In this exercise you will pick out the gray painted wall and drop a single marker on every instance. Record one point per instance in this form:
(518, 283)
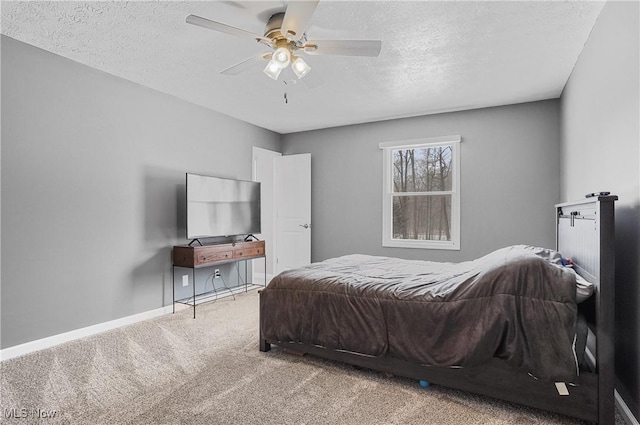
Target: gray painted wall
(601, 151)
(93, 190)
(510, 180)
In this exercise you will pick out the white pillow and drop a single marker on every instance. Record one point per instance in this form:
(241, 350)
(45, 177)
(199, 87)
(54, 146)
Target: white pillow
(584, 288)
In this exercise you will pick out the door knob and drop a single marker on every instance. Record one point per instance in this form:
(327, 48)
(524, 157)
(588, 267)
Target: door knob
(306, 226)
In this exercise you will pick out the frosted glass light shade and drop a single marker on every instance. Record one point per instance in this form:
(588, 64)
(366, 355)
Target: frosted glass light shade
(272, 69)
(281, 57)
(300, 67)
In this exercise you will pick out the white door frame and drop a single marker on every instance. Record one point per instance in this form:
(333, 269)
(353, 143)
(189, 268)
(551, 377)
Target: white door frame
(265, 159)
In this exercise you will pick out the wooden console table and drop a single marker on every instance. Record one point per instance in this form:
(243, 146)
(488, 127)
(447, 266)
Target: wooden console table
(195, 257)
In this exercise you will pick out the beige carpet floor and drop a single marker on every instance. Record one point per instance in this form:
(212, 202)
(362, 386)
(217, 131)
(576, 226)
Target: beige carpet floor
(177, 370)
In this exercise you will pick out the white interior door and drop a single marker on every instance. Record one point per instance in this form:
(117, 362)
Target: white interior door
(293, 209)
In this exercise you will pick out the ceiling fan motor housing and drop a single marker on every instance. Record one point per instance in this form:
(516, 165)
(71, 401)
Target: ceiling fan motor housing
(273, 30)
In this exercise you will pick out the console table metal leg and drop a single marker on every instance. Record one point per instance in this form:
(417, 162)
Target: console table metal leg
(173, 288)
(193, 283)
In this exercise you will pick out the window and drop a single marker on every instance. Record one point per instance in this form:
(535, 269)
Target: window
(421, 193)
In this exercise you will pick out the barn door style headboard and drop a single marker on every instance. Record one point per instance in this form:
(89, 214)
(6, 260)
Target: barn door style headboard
(585, 233)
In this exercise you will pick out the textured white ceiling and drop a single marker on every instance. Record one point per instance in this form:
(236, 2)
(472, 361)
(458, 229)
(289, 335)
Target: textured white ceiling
(436, 56)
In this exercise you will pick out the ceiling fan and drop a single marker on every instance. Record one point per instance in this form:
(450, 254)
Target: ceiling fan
(285, 34)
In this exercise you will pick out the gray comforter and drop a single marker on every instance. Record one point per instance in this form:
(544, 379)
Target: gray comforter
(516, 304)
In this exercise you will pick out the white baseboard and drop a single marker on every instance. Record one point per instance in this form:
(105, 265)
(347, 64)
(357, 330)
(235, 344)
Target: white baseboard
(258, 278)
(51, 341)
(627, 415)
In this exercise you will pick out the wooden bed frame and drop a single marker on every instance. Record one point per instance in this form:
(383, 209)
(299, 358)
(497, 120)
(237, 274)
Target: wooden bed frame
(585, 233)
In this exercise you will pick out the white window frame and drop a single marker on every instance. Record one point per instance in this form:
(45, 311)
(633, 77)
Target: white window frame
(387, 192)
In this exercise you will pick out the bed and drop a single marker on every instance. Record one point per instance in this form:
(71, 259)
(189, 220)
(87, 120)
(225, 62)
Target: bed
(506, 325)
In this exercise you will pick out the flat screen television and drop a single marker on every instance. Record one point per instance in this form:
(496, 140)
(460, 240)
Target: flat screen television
(221, 207)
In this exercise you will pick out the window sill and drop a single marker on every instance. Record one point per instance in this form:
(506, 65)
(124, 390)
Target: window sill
(398, 243)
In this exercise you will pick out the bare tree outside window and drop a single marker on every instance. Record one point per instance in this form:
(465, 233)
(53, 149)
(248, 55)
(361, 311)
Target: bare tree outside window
(420, 210)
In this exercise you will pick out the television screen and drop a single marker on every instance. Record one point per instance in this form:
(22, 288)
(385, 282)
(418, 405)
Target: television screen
(221, 207)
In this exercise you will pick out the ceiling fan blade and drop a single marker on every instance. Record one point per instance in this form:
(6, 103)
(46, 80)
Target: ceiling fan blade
(312, 80)
(245, 64)
(234, 4)
(296, 18)
(220, 27)
(369, 48)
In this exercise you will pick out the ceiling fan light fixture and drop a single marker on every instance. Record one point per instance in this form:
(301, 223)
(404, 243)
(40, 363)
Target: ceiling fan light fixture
(272, 69)
(300, 67)
(281, 57)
